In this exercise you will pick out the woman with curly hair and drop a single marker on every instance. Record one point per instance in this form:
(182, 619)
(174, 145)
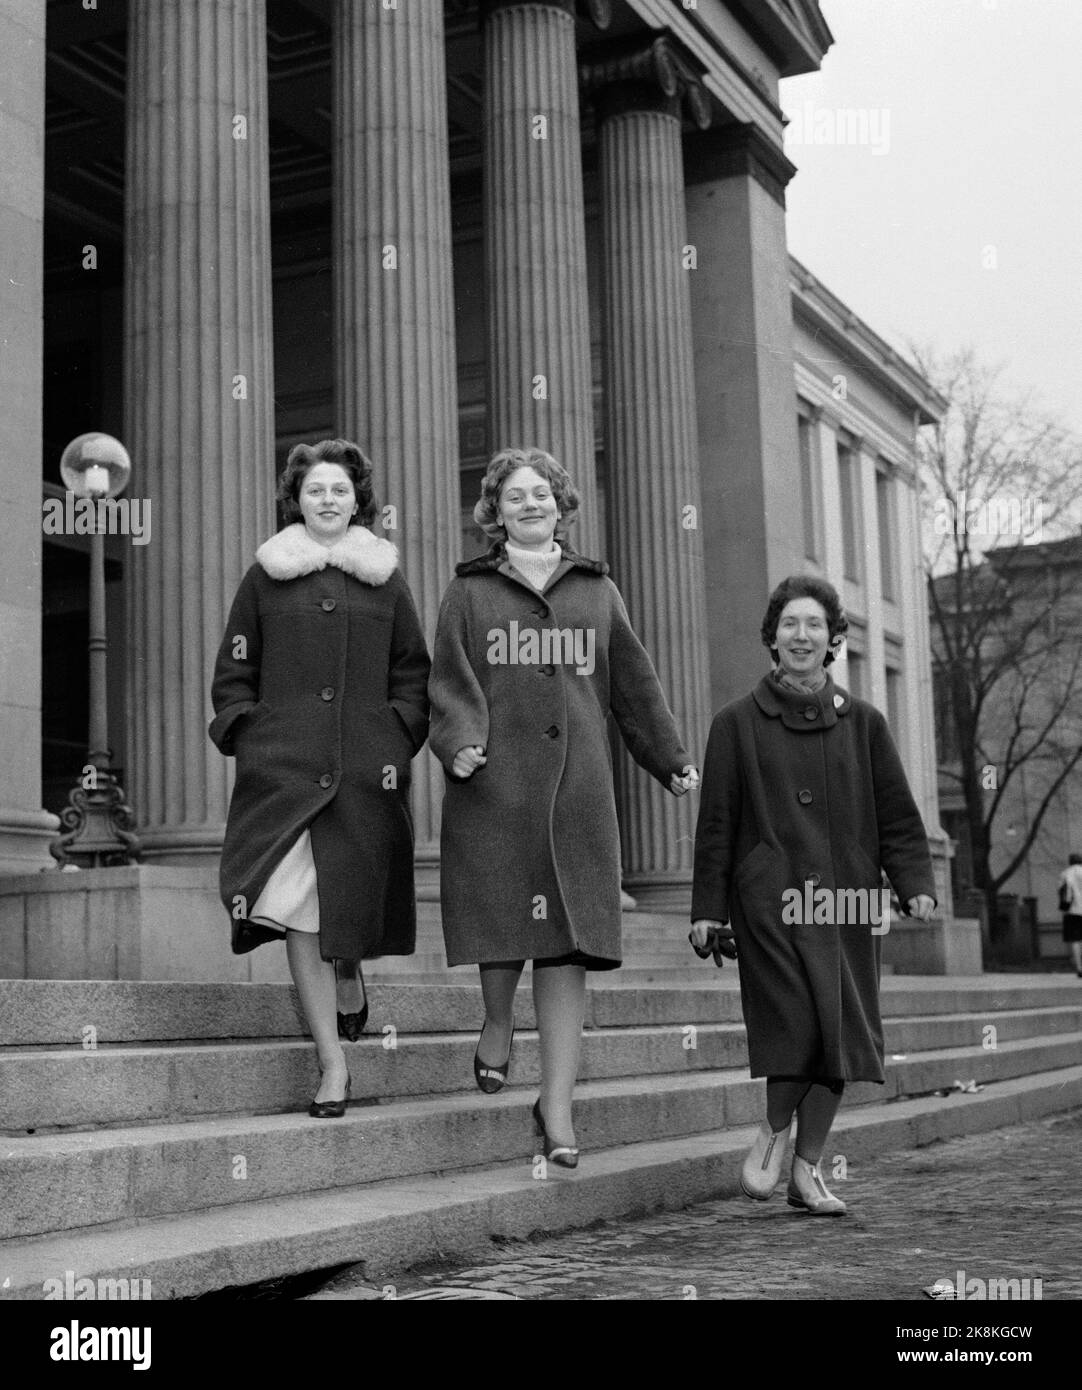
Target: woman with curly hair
(320, 694)
(533, 650)
(804, 805)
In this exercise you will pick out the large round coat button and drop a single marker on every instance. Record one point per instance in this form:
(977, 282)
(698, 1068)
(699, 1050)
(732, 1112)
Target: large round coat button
(327, 693)
(552, 731)
(546, 670)
(328, 605)
(814, 880)
(804, 797)
(326, 780)
(811, 712)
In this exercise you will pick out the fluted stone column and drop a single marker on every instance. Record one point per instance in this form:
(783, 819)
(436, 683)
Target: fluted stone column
(742, 326)
(25, 829)
(538, 329)
(655, 518)
(198, 386)
(394, 347)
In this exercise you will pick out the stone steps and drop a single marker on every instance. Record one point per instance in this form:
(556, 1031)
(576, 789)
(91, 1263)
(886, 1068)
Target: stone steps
(389, 1225)
(64, 1180)
(165, 1112)
(56, 1012)
(48, 1088)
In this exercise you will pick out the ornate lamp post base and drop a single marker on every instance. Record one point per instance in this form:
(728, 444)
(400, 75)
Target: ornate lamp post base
(98, 827)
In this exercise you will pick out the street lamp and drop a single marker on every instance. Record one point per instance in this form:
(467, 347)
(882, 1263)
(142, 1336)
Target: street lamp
(98, 823)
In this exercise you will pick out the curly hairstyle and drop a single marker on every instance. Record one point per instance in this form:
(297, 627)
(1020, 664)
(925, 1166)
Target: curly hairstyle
(804, 586)
(501, 466)
(304, 457)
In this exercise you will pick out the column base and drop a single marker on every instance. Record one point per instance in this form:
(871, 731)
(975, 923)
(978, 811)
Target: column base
(196, 847)
(669, 892)
(25, 837)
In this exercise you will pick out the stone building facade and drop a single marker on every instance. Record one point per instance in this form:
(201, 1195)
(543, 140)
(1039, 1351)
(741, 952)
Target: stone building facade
(440, 229)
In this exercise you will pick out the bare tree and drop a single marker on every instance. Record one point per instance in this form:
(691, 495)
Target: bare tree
(1001, 487)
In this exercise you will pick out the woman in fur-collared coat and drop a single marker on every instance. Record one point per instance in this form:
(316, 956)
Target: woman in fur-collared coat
(804, 804)
(533, 651)
(320, 694)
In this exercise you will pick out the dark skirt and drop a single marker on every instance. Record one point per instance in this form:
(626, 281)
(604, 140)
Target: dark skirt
(1072, 926)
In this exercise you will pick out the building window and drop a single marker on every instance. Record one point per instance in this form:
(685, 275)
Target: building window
(856, 675)
(895, 711)
(809, 489)
(849, 485)
(884, 505)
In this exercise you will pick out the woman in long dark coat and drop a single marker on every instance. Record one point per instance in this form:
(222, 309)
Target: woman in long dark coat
(533, 650)
(320, 693)
(804, 804)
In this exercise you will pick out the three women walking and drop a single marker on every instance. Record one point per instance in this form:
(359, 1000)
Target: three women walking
(322, 690)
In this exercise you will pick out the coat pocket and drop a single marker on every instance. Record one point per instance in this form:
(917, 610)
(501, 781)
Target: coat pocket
(754, 863)
(403, 739)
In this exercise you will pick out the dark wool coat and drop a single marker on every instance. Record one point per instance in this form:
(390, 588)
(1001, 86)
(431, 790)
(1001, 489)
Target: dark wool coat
(803, 788)
(530, 850)
(319, 692)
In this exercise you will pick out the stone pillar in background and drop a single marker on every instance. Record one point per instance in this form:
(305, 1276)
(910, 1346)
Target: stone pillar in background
(653, 505)
(394, 344)
(538, 329)
(25, 829)
(198, 387)
(746, 398)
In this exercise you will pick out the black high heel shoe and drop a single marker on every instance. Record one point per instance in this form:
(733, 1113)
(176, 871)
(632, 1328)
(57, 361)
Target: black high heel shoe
(563, 1154)
(492, 1079)
(351, 1026)
(331, 1109)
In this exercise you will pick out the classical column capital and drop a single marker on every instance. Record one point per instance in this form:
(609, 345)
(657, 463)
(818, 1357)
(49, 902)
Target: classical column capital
(741, 148)
(598, 12)
(657, 75)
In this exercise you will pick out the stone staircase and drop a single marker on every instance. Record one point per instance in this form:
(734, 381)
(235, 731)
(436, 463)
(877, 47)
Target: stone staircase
(157, 1130)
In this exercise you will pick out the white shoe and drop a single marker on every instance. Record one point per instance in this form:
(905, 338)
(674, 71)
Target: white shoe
(762, 1167)
(808, 1190)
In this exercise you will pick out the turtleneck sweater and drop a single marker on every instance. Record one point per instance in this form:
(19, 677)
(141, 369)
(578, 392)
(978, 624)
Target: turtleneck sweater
(536, 566)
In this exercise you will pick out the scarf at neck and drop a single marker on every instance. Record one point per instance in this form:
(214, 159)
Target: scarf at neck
(810, 684)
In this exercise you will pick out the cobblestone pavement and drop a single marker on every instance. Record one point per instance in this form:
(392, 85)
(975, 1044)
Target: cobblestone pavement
(1002, 1205)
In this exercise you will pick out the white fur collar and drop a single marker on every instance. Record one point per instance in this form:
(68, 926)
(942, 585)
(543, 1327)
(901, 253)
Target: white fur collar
(292, 552)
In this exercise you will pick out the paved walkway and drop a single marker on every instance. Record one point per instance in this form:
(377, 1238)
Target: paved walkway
(1001, 1205)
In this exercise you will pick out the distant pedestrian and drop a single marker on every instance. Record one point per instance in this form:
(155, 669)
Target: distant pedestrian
(804, 800)
(1070, 902)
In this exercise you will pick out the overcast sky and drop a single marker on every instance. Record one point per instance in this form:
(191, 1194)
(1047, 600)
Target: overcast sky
(951, 209)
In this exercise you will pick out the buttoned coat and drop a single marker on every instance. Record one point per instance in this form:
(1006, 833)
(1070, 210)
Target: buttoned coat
(530, 849)
(798, 789)
(319, 692)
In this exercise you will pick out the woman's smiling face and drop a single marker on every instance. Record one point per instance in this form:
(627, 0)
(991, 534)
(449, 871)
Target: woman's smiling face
(527, 509)
(803, 637)
(327, 501)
